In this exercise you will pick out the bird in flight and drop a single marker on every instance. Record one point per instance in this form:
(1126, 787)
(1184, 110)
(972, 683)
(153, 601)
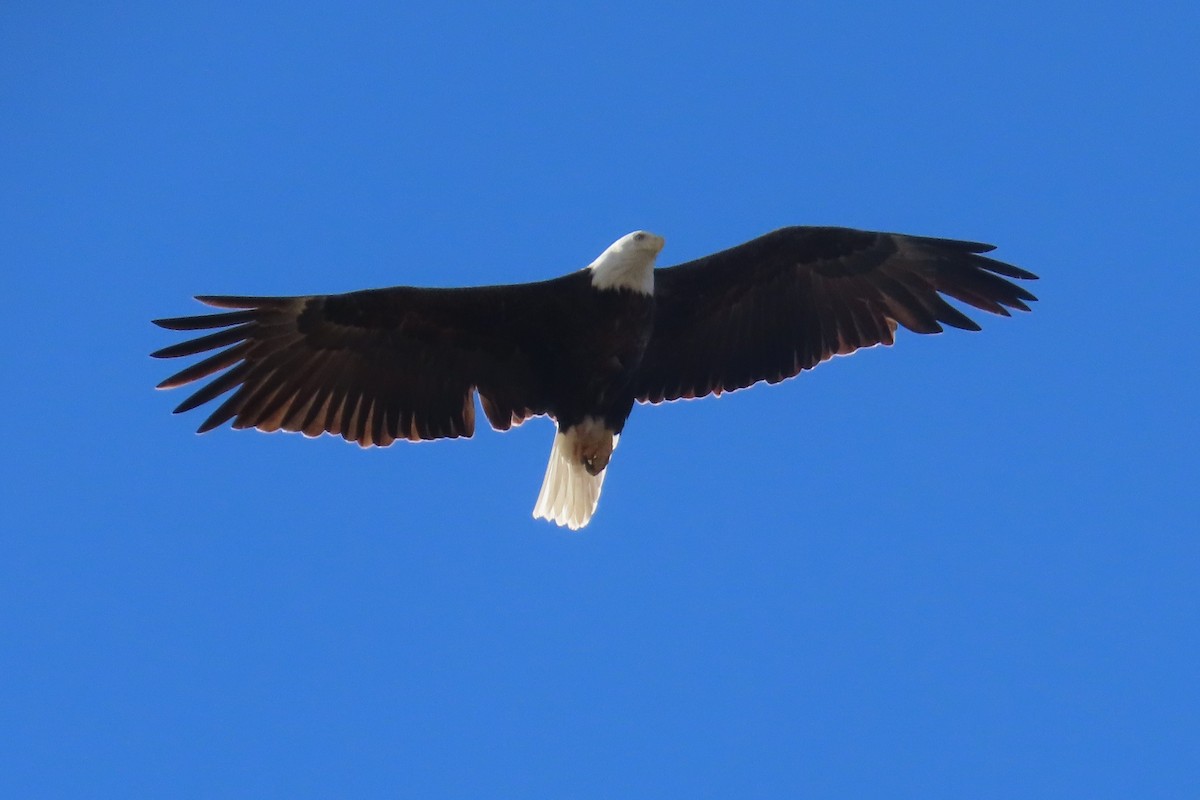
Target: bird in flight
(381, 365)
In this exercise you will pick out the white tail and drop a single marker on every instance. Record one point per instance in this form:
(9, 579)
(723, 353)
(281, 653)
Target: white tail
(569, 493)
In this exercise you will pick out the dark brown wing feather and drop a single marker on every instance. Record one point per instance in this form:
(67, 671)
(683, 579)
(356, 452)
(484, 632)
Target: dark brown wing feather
(787, 301)
(373, 366)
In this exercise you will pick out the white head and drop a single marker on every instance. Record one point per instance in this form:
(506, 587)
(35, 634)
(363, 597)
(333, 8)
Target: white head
(628, 263)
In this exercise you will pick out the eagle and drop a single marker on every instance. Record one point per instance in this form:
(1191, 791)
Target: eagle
(381, 365)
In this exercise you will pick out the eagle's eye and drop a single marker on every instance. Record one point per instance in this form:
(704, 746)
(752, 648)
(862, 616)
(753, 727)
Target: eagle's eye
(637, 237)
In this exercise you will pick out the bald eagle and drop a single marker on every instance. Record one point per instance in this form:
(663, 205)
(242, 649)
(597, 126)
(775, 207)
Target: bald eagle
(381, 365)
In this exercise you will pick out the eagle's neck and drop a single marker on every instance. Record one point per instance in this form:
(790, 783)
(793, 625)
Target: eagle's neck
(623, 266)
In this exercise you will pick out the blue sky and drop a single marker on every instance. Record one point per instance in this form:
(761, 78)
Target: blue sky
(964, 566)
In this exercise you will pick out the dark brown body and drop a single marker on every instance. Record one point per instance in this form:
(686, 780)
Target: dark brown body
(592, 369)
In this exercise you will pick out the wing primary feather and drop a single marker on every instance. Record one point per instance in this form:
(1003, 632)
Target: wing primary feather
(952, 316)
(202, 369)
(202, 321)
(941, 311)
(950, 244)
(1002, 268)
(208, 342)
(225, 412)
(973, 298)
(231, 301)
(904, 307)
(217, 387)
(991, 288)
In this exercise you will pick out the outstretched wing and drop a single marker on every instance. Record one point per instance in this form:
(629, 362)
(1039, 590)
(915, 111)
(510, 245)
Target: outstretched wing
(786, 301)
(371, 366)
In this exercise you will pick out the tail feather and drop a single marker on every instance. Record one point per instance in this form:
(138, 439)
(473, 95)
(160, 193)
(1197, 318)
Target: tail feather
(569, 493)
